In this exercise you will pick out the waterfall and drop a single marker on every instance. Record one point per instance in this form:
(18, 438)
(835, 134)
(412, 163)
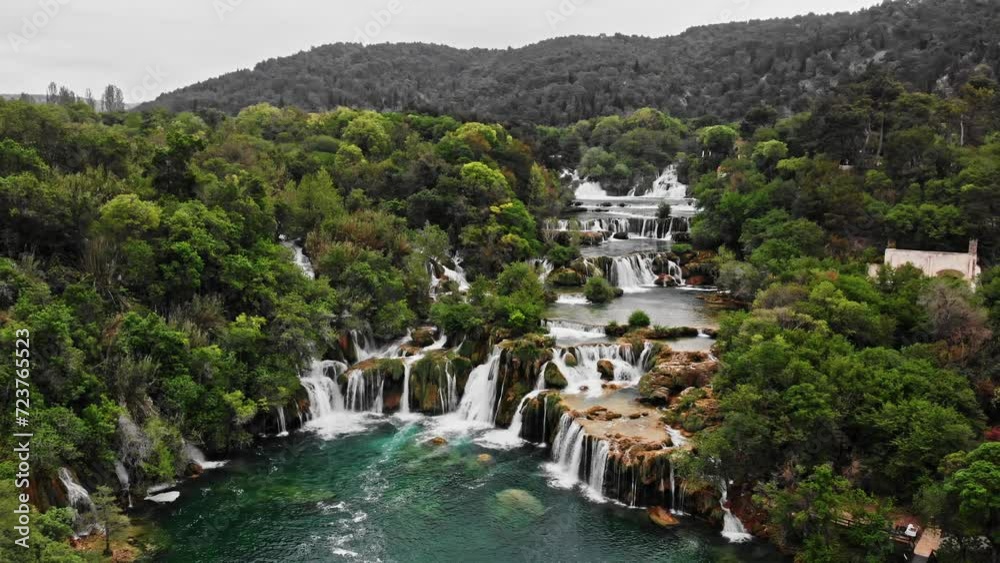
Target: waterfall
(569, 461)
(478, 403)
(673, 490)
(364, 347)
(544, 268)
(668, 186)
(574, 332)
(404, 401)
(518, 422)
(300, 259)
(448, 393)
(79, 500)
(194, 454)
(324, 393)
(458, 274)
(732, 529)
(572, 299)
(123, 480)
(587, 189)
(633, 274)
(364, 395)
(598, 468)
(628, 368)
(282, 427)
(567, 453)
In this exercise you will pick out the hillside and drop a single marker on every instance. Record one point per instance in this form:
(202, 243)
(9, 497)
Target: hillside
(720, 70)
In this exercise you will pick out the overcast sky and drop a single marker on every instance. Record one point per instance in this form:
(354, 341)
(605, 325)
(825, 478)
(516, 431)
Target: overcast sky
(150, 46)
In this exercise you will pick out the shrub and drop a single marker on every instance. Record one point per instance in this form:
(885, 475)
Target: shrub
(681, 248)
(638, 319)
(614, 329)
(561, 256)
(598, 290)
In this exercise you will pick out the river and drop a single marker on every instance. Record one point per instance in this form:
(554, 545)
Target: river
(360, 486)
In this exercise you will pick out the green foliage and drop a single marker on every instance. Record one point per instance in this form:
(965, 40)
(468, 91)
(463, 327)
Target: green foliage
(598, 290)
(638, 319)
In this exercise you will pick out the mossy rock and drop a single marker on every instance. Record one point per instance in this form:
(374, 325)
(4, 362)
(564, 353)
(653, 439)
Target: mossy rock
(554, 379)
(606, 369)
(429, 376)
(570, 360)
(390, 368)
(422, 337)
(565, 277)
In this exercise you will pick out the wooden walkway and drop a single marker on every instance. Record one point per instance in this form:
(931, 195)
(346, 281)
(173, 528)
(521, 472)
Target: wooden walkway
(930, 540)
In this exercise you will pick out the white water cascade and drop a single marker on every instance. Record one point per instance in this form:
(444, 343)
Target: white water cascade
(123, 480)
(300, 258)
(668, 185)
(458, 274)
(324, 394)
(732, 528)
(448, 393)
(194, 454)
(79, 500)
(567, 453)
(628, 367)
(478, 404)
(598, 468)
(569, 449)
(364, 345)
(282, 426)
(571, 332)
(633, 274)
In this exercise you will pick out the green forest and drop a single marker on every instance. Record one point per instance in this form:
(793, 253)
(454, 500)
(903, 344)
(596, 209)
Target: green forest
(143, 251)
(722, 70)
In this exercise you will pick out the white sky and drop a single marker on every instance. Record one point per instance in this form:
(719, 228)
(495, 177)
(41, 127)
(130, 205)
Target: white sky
(150, 46)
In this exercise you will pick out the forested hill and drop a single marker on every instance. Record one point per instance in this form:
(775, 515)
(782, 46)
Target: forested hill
(718, 69)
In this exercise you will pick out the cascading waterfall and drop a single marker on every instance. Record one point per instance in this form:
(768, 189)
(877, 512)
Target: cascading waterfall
(633, 274)
(668, 185)
(458, 274)
(598, 466)
(571, 465)
(518, 421)
(123, 480)
(301, 260)
(570, 331)
(448, 393)
(364, 346)
(478, 404)
(567, 453)
(732, 529)
(282, 426)
(195, 455)
(628, 368)
(79, 500)
(324, 394)
(365, 394)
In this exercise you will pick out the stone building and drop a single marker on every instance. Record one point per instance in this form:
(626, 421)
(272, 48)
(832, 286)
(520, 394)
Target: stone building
(963, 265)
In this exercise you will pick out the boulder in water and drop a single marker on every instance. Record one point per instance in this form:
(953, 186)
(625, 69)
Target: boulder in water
(520, 501)
(554, 379)
(606, 369)
(485, 459)
(437, 441)
(661, 516)
(666, 280)
(621, 235)
(570, 360)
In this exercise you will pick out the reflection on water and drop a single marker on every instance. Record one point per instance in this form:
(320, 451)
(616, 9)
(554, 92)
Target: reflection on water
(665, 306)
